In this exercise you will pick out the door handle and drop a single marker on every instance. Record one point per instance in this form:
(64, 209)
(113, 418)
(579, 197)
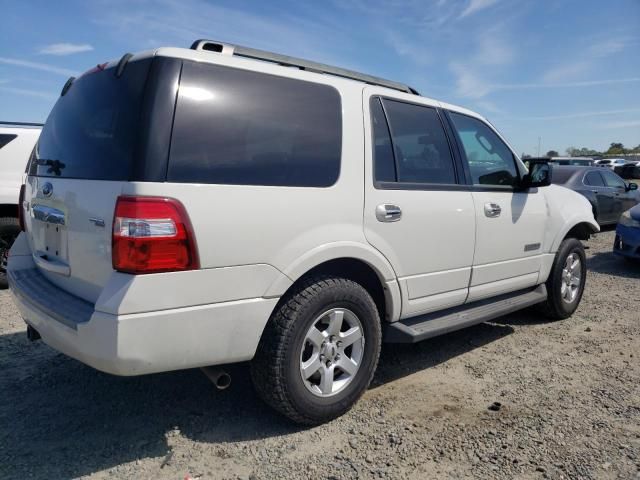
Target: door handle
(492, 210)
(388, 213)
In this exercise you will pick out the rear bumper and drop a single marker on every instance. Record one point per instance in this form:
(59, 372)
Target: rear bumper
(138, 343)
(627, 242)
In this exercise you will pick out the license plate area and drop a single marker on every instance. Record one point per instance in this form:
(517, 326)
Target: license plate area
(49, 233)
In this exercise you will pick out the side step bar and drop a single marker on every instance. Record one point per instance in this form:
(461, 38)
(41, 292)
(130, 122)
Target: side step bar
(416, 329)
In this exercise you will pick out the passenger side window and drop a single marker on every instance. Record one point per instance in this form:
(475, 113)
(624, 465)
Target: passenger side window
(594, 179)
(612, 180)
(419, 145)
(490, 160)
(5, 139)
(384, 168)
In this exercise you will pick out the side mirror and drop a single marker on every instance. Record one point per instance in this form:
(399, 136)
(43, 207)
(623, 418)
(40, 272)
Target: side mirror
(632, 186)
(539, 175)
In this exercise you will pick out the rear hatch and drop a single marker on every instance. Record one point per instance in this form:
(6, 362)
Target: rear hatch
(87, 152)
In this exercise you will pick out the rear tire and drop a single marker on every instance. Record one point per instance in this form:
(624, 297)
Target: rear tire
(9, 230)
(566, 281)
(319, 351)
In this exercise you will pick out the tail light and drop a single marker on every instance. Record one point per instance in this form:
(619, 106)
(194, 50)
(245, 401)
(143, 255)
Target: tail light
(151, 235)
(21, 209)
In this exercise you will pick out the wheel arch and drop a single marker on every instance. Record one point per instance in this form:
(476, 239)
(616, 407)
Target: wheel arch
(357, 262)
(579, 228)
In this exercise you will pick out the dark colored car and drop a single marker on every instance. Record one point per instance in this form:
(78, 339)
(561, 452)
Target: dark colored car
(627, 242)
(608, 194)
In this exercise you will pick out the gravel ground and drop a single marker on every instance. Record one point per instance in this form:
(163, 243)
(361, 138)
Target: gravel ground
(568, 406)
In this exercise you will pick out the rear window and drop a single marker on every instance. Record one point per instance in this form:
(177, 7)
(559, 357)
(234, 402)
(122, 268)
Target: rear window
(92, 131)
(247, 128)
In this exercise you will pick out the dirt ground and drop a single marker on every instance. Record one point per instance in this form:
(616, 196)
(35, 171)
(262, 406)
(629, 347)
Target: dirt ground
(569, 393)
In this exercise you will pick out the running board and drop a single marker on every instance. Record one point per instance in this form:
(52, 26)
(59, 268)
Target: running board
(416, 329)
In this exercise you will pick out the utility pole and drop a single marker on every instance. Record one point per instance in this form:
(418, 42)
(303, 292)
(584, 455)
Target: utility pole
(538, 146)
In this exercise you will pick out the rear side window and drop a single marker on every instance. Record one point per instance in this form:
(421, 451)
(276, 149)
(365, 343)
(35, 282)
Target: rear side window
(383, 162)
(419, 144)
(92, 131)
(593, 179)
(247, 128)
(491, 163)
(5, 138)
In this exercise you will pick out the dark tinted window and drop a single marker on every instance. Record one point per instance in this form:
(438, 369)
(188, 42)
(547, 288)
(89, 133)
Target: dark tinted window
(5, 139)
(384, 163)
(490, 160)
(594, 179)
(561, 175)
(420, 144)
(91, 132)
(246, 128)
(613, 180)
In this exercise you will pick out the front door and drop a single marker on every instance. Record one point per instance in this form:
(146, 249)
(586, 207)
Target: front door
(510, 224)
(416, 213)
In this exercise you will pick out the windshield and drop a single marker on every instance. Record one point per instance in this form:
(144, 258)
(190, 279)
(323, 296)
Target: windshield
(92, 131)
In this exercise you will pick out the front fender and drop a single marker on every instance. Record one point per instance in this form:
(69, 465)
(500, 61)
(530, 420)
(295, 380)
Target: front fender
(566, 210)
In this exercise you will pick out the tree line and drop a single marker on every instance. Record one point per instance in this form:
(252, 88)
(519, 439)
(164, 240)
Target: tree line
(614, 149)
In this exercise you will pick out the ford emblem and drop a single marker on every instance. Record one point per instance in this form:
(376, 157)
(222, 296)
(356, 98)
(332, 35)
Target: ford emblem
(47, 189)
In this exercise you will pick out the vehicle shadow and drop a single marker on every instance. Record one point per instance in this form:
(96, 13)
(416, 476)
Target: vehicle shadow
(52, 407)
(612, 264)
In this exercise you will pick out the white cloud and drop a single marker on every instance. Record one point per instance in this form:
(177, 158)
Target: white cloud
(566, 116)
(566, 72)
(623, 124)
(494, 50)
(65, 48)
(38, 66)
(607, 47)
(28, 93)
(475, 6)
(468, 83)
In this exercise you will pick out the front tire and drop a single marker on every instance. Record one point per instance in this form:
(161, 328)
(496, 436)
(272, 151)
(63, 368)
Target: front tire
(566, 281)
(319, 350)
(9, 230)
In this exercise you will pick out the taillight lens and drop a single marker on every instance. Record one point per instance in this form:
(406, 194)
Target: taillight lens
(21, 209)
(151, 235)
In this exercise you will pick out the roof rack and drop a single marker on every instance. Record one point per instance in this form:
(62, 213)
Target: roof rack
(237, 50)
(23, 124)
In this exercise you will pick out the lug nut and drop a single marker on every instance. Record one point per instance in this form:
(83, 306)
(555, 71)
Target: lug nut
(339, 344)
(322, 357)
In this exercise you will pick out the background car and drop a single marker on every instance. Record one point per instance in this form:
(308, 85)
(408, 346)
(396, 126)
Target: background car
(16, 142)
(583, 161)
(611, 163)
(627, 242)
(608, 194)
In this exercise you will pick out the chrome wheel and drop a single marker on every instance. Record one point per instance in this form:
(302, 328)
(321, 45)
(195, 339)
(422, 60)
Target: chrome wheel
(571, 278)
(332, 352)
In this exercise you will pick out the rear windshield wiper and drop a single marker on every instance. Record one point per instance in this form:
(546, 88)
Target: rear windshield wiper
(55, 166)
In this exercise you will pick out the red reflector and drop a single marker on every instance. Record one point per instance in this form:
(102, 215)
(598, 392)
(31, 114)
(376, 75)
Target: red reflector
(21, 209)
(151, 235)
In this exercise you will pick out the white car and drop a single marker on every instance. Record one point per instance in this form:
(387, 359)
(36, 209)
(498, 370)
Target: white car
(611, 163)
(197, 207)
(16, 143)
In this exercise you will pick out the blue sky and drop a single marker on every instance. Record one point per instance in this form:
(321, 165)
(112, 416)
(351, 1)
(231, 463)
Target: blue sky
(567, 71)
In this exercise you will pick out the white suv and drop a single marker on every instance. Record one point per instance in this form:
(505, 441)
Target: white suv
(16, 143)
(196, 207)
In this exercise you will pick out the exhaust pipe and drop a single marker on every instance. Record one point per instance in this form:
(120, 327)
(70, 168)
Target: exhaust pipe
(220, 378)
(32, 333)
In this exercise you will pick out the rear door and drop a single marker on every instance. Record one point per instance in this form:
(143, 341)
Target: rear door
(604, 196)
(417, 213)
(87, 151)
(510, 223)
(622, 198)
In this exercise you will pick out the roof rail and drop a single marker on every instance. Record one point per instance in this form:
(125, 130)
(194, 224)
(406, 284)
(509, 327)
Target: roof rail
(237, 50)
(23, 124)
